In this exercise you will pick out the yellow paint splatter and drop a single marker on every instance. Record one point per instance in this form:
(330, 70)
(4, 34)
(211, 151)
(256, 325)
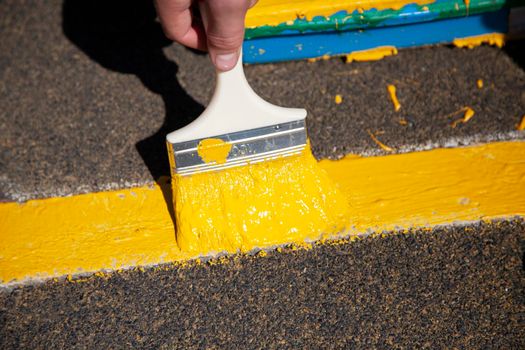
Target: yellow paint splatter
(392, 91)
(214, 150)
(402, 121)
(379, 143)
(338, 99)
(479, 84)
(374, 54)
(521, 125)
(257, 205)
(494, 39)
(468, 113)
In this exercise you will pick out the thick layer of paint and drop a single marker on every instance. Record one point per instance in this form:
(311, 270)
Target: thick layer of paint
(319, 44)
(284, 200)
(436, 187)
(111, 230)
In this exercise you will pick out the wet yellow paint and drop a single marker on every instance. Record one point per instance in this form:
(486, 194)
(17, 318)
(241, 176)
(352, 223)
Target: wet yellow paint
(274, 12)
(371, 54)
(393, 96)
(433, 187)
(117, 229)
(521, 125)
(214, 150)
(494, 39)
(262, 204)
(468, 113)
(338, 99)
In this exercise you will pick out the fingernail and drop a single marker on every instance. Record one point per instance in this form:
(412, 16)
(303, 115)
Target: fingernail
(226, 61)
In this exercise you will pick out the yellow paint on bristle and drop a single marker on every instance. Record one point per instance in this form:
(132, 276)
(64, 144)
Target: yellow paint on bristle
(521, 125)
(272, 202)
(214, 150)
(338, 99)
(479, 84)
(494, 39)
(392, 91)
(374, 54)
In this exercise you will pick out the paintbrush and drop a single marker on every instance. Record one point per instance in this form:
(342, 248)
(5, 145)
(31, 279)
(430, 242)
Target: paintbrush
(243, 175)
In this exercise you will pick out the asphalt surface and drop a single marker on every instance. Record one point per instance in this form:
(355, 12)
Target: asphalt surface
(89, 90)
(454, 288)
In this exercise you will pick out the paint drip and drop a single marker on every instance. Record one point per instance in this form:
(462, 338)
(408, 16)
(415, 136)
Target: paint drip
(493, 39)
(374, 54)
(260, 204)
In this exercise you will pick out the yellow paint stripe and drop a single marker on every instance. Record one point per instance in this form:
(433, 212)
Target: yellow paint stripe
(274, 12)
(111, 230)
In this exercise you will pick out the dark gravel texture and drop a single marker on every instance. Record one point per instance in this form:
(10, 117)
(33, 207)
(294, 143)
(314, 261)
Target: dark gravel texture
(89, 88)
(453, 288)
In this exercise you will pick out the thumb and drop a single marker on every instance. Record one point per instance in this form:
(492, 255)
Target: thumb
(224, 25)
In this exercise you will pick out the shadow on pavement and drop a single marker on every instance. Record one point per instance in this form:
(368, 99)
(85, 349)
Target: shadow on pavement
(515, 49)
(125, 37)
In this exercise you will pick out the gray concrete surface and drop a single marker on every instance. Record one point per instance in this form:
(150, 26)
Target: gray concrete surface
(90, 88)
(453, 288)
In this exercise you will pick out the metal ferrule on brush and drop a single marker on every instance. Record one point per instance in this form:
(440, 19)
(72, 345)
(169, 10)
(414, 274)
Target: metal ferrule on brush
(248, 147)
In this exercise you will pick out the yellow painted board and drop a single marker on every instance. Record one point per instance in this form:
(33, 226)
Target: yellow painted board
(111, 230)
(274, 12)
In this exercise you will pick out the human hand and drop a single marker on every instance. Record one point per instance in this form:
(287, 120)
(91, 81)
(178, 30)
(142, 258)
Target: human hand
(220, 30)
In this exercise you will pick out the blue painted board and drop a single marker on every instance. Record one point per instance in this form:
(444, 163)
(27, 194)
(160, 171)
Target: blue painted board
(296, 47)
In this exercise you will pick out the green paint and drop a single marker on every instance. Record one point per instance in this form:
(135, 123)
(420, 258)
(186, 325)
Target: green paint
(371, 18)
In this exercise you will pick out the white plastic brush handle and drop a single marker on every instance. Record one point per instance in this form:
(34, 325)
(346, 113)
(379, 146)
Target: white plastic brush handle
(234, 107)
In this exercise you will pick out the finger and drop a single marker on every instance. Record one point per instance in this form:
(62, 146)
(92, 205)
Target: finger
(224, 25)
(252, 3)
(178, 23)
